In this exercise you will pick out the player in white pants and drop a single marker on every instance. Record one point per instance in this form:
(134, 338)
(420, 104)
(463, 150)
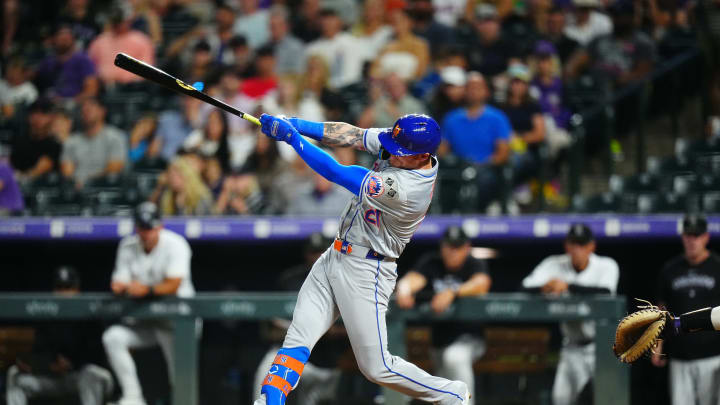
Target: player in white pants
(151, 262)
(450, 273)
(579, 271)
(356, 275)
(688, 282)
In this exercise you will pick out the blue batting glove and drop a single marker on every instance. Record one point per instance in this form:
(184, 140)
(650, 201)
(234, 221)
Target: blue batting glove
(279, 129)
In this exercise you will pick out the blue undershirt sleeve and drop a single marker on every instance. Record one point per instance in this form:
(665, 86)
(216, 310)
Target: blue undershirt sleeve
(350, 177)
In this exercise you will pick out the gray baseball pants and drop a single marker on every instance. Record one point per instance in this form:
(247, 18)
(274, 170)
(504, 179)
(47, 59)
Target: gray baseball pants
(359, 289)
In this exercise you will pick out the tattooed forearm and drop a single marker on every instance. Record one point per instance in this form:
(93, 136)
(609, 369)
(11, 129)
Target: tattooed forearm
(342, 135)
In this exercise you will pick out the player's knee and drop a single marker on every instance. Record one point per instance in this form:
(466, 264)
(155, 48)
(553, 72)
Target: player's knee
(113, 338)
(374, 371)
(454, 357)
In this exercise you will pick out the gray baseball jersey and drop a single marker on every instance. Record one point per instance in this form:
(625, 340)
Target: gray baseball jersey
(391, 205)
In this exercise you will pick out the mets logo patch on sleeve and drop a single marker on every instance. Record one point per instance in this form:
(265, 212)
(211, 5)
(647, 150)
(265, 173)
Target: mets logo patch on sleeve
(374, 187)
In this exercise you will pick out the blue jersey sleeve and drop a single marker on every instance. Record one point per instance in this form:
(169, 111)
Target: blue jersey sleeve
(350, 177)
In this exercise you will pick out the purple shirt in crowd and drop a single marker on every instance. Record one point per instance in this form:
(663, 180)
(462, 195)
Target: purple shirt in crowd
(65, 79)
(10, 196)
(550, 99)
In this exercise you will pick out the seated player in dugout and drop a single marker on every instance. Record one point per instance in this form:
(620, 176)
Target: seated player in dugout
(450, 274)
(578, 271)
(356, 276)
(58, 367)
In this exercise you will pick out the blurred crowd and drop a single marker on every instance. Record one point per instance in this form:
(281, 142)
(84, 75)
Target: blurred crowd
(496, 74)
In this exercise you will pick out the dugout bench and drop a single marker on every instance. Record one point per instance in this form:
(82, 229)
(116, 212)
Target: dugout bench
(612, 379)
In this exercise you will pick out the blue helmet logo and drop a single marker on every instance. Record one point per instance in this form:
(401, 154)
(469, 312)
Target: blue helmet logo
(412, 134)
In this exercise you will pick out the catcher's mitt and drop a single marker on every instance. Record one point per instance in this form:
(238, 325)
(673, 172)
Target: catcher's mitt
(639, 332)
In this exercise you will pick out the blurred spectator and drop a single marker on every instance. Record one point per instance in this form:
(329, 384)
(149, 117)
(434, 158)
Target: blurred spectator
(144, 145)
(579, 271)
(407, 55)
(36, 152)
(394, 102)
(253, 23)
(217, 36)
(487, 51)
(449, 274)
(265, 163)
(68, 73)
(82, 21)
(265, 79)
(372, 27)
(427, 26)
(626, 55)
(547, 86)
(181, 191)
(586, 23)
(201, 65)
(289, 51)
(344, 53)
(145, 19)
(240, 195)
(228, 90)
(448, 12)
(528, 126)
(287, 186)
(174, 126)
(479, 134)
(322, 199)
(11, 20)
(98, 151)
(153, 262)
(678, 35)
(307, 22)
(554, 32)
(213, 176)
(211, 140)
(450, 95)
(688, 282)
(242, 62)
(62, 124)
(58, 366)
(120, 38)
(15, 89)
(709, 30)
(175, 21)
(11, 199)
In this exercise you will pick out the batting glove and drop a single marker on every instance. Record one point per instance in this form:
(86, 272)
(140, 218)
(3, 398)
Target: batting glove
(279, 129)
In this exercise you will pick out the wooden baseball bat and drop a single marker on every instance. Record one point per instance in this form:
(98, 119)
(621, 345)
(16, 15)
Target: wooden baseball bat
(156, 75)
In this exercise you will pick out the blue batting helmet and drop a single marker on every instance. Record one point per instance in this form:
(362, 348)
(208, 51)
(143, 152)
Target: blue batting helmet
(412, 134)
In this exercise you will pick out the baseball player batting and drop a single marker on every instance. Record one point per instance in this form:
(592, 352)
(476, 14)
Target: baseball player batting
(356, 275)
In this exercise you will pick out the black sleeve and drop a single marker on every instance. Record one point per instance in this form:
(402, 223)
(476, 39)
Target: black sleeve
(425, 266)
(534, 108)
(477, 266)
(581, 289)
(531, 290)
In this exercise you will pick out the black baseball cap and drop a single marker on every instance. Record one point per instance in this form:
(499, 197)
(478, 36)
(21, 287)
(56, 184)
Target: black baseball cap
(66, 277)
(147, 215)
(455, 236)
(579, 234)
(694, 224)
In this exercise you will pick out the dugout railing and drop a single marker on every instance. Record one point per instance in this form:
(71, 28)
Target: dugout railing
(612, 379)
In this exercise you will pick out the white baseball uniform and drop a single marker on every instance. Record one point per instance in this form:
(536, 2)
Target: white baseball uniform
(355, 278)
(170, 258)
(577, 357)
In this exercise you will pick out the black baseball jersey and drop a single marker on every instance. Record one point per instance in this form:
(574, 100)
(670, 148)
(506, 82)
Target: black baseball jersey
(439, 279)
(683, 288)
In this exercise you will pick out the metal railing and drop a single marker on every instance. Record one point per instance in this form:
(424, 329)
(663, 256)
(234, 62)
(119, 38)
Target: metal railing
(612, 379)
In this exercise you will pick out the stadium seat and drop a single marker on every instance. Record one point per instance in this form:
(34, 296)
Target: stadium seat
(599, 203)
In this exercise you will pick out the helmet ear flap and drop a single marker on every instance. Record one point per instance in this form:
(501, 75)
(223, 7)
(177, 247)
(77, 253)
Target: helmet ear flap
(384, 154)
